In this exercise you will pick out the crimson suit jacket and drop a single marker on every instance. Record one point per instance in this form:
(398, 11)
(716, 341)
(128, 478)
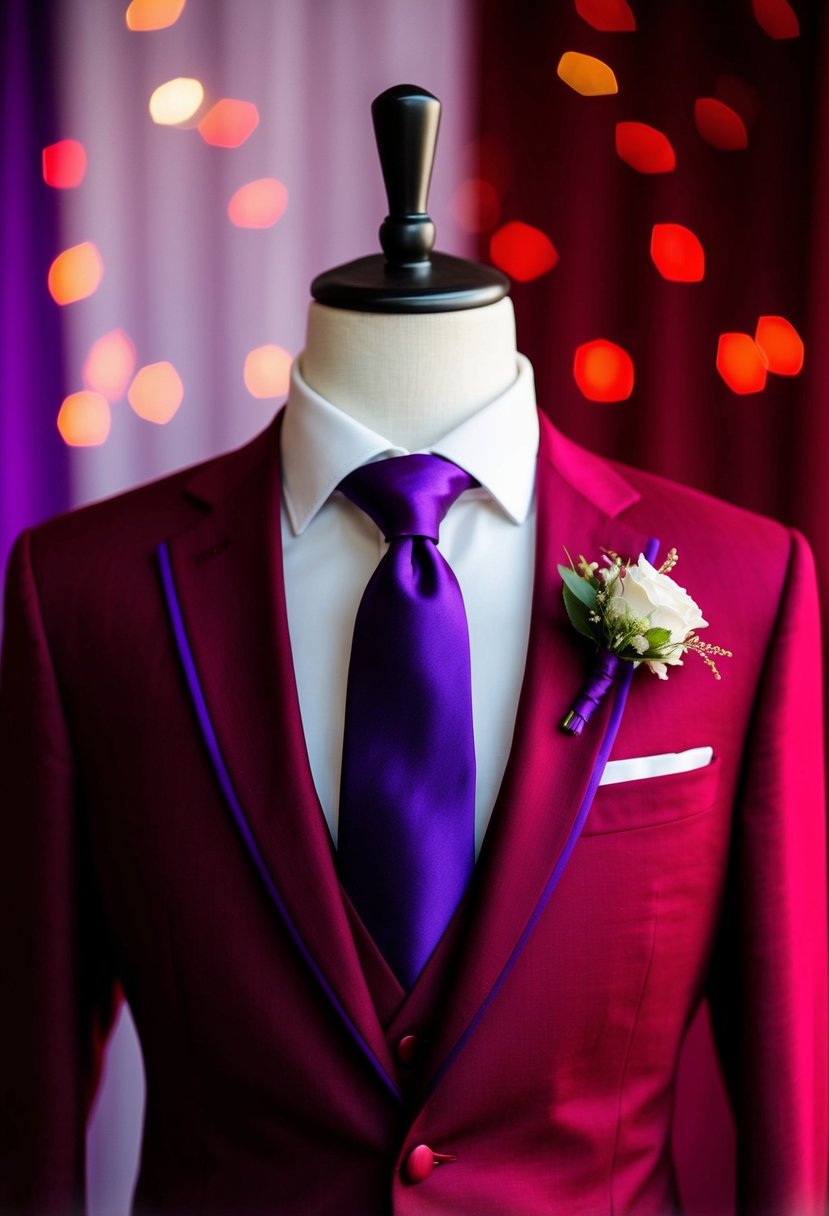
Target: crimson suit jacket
(160, 829)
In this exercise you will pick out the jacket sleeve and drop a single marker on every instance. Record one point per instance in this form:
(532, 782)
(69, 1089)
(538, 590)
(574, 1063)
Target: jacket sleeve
(58, 990)
(768, 990)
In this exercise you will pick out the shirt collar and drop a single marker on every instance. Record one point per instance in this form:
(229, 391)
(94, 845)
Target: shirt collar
(497, 445)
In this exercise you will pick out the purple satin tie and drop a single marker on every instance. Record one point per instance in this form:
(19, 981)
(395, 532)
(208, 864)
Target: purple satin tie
(406, 845)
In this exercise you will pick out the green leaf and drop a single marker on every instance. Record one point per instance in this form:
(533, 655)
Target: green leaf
(657, 637)
(581, 589)
(577, 612)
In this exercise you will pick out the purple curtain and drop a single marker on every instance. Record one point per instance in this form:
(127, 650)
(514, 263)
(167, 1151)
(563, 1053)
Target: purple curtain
(34, 481)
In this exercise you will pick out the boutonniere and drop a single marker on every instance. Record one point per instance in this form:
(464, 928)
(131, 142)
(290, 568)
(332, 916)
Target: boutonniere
(634, 613)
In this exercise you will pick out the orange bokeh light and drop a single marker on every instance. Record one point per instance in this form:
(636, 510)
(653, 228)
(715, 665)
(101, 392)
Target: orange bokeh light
(719, 125)
(268, 371)
(603, 371)
(522, 252)
(75, 273)
(644, 148)
(258, 204)
(153, 14)
(84, 419)
(741, 363)
(156, 392)
(781, 344)
(776, 17)
(476, 205)
(677, 253)
(109, 365)
(586, 75)
(229, 123)
(64, 164)
(606, 15)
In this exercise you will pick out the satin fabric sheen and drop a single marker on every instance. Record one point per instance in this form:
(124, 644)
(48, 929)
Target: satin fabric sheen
(407, 802)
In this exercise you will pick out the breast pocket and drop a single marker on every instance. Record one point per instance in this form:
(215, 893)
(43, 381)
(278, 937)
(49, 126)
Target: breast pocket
(650, 801)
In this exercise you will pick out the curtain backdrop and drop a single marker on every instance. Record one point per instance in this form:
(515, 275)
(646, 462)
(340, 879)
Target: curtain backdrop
(180, 279)
(189, 288)
(760, 215)
(33, 460)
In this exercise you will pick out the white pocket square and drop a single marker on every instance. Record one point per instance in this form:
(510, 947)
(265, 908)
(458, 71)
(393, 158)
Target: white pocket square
(639, 767)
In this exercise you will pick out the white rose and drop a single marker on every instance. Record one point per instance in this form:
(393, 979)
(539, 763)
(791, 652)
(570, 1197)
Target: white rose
(644, 592)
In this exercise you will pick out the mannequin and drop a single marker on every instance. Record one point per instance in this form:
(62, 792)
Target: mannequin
(410, 342)
(412, 377)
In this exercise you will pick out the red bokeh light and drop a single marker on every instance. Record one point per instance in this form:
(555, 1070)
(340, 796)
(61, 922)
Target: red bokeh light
(229, 123)
(603, 371)
(741, 363)
(776, 17)
(64, 164)
(258, 204)
(719, 125)
(781, 344)
(476, 205)
(677, 253)
(644, 148)
(606, 15)
(522, 252)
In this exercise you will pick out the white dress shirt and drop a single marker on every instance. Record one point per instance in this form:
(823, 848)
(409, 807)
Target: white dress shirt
(331, 548)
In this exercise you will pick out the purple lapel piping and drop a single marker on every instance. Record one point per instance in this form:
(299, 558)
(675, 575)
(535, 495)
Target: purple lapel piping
(620, 699)
(212, 743)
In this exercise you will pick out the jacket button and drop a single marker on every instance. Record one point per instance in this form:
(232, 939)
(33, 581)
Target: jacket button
(419, 1164)
(407, 1048)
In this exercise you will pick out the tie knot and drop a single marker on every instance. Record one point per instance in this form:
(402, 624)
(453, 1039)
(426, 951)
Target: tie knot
(407, 495)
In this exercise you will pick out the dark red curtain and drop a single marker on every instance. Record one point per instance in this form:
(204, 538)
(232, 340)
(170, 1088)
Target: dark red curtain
(760, 214)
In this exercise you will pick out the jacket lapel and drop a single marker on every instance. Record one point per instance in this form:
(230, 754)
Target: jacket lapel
(223, 581)
(550, 776)
(224, 586)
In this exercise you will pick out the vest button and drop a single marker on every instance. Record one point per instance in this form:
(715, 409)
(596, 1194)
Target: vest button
(407, 1049)
(419, 1164)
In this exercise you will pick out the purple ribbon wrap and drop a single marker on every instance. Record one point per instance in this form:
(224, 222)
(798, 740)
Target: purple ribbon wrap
(593, 692)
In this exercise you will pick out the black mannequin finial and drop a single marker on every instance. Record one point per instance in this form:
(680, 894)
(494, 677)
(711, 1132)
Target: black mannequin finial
(406, 121)
(410, 278)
